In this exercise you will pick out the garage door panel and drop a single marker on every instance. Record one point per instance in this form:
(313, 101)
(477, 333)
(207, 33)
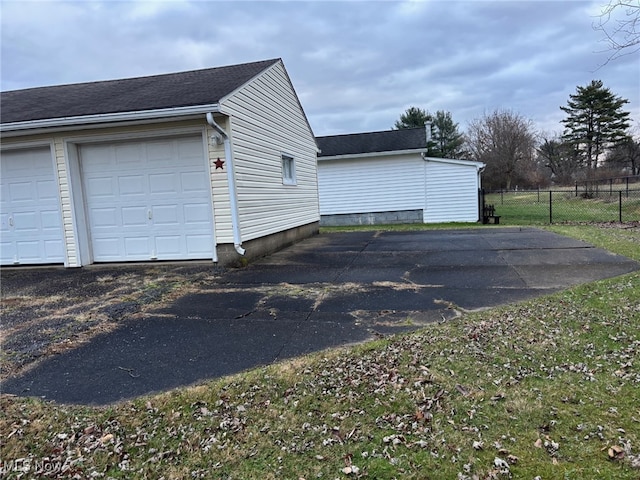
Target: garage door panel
(136, 247)
(26, 222)
(190, 152)
(6, 252)
(47, 190)
(49, 220)
(168, 246)
(193, 182)
(166, 215)
(128, 155)
(104, 217)
(160, 153)
(163, 183)
(196, 214)
(100, 188)
(131, 185)
(29, 250)
(160, 200)
(134, 216)
(107, 248)
(198, 245)
(100, 159)
(22, 192)
(54, 248)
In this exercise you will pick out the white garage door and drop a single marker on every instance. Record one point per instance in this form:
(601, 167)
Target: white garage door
(31, 231)
(148, 200)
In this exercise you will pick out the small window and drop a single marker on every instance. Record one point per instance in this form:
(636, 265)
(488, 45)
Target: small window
(288, 170)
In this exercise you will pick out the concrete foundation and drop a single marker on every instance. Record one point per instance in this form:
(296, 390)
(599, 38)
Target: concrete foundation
(372, 218)
(259, 247)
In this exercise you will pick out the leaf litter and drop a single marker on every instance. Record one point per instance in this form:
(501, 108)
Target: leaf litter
(530, 390)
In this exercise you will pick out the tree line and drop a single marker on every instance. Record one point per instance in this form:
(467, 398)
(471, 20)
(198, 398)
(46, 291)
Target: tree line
(596, 142)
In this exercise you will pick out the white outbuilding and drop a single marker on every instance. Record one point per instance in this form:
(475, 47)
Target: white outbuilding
(387, 177)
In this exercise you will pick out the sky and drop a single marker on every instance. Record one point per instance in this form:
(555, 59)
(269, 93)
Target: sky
(355, 65)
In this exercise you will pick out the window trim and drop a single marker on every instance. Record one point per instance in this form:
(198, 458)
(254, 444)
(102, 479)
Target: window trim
(291, 178)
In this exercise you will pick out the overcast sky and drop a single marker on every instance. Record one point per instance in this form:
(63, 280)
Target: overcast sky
(356, 65)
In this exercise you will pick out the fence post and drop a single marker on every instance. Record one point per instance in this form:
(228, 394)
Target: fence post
(576, 189)
(620, 205)
(627, 187)
(611, 186)
(501, 197)
(538, 194)
(550, 207)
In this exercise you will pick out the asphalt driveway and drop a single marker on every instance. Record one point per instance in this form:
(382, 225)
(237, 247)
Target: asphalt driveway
(329, 290)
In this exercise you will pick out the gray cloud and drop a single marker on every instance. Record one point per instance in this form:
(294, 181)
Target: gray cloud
(355, 65)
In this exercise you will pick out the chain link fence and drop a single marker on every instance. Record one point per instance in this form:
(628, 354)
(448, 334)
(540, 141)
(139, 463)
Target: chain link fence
(578, 205)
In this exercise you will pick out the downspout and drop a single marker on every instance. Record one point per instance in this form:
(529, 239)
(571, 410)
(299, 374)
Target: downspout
(235, 218)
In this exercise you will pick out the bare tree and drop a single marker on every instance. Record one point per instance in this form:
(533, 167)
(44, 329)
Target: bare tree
(626, 157)
(620, 24)
(560, 158)
(505, 142)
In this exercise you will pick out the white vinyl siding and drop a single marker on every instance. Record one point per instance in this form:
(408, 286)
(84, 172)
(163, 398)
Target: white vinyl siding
(220, 189)
(380, 184)
(451, 193)
(266, 120)
(445, 190)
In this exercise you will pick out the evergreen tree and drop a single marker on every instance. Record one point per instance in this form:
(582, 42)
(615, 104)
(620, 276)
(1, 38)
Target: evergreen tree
(595, 123)
(412, 117)
(446, 140)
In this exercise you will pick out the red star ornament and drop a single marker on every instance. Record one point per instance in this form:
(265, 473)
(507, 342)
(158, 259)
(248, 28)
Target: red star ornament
(219, 164)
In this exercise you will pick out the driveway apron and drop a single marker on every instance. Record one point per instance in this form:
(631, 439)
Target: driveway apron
(329, 290)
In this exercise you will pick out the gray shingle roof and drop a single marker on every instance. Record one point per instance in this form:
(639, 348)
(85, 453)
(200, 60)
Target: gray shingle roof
(371, 142)
(183, 89)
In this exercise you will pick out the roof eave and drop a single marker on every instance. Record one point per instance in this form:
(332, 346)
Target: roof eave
(140, 115)
(373, 154)
(455, 161)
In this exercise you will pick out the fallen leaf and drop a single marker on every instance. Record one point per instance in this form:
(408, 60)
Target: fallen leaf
(350, 470)
(538, 443)
(616, 452)
(463, 391)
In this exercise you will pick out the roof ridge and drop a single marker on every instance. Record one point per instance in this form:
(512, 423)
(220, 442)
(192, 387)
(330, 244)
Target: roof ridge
(269, 62)
(369, 133)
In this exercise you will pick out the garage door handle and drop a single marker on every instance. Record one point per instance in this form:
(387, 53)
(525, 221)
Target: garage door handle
(149, 214)
(11, 221)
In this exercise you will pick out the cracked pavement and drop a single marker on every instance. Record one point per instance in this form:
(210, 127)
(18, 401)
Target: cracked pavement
(327, 291)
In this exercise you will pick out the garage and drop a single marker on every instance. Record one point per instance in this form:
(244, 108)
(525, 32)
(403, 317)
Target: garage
(30, 209)
(147, 200)
(388, 177)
